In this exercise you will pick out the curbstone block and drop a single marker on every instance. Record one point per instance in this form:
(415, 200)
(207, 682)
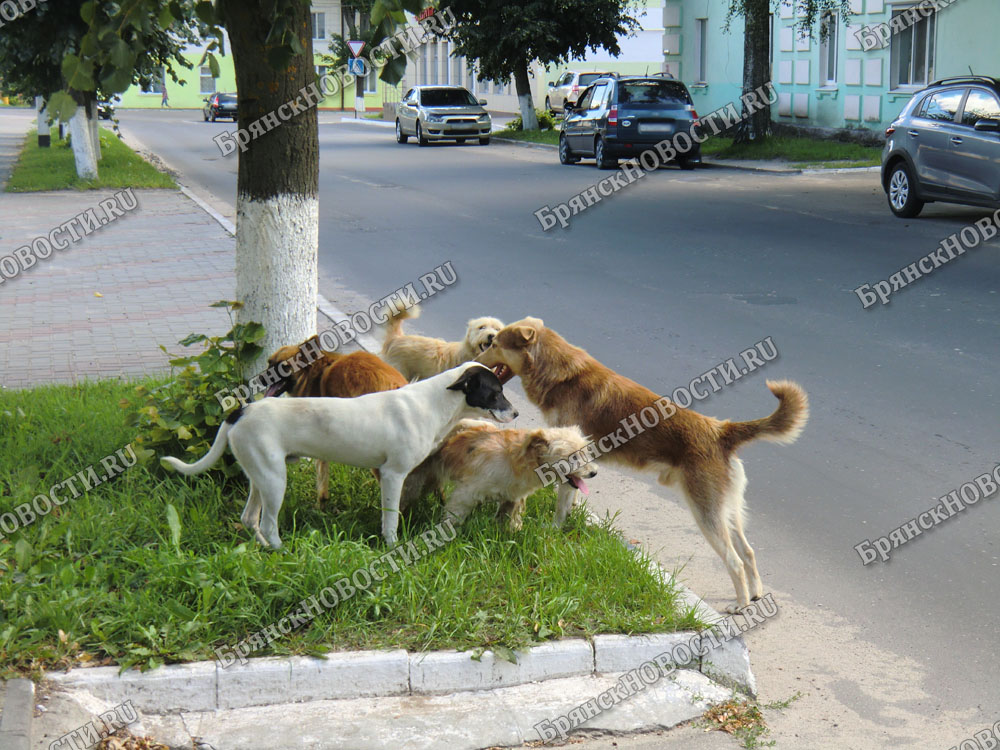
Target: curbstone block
(452, 671)
(621, 653)
(356, 674)
(15, 718)
(259, 682)
(190, 687)
(729, 664)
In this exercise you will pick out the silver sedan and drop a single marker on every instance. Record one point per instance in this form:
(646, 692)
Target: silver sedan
(433, 113)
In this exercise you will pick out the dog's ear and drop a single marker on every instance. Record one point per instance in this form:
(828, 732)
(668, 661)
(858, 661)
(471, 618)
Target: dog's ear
(524, 335)
(537, 444)
(462, 384)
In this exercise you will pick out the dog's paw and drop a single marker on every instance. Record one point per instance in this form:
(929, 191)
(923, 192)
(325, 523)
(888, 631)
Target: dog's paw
(735, 609)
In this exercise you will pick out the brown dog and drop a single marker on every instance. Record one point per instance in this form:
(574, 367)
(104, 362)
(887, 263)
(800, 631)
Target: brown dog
(685, 448)
(331, 374)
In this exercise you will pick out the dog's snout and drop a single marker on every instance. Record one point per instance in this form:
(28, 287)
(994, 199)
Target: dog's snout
(513, 413)
(489, 339)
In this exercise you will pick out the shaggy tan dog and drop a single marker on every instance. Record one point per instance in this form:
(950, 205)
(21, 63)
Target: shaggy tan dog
(331, 374)
(489, 463)
(685, 448)
(420, 357)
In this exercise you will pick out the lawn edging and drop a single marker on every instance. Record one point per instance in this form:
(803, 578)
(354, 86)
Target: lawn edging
(270, 680)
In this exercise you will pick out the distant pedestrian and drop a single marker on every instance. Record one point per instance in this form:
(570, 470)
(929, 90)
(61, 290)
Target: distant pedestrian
(164, 102)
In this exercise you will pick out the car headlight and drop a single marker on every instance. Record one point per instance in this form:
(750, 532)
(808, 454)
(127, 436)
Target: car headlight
(483, 117)
(435, 118)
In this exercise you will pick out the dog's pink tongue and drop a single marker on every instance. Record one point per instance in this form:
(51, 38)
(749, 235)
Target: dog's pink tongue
(579, 484)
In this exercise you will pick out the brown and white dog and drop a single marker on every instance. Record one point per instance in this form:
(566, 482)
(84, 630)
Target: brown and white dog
(419, 357)
(331, 374)
(687, 449)
(488, 463)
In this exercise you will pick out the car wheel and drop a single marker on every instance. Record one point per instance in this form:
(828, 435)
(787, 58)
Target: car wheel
(902, 194)
(484, 141)
(212, 118)
(401, 137)
(686, 164)
(603, 162)
(420, 136)
(565, 153)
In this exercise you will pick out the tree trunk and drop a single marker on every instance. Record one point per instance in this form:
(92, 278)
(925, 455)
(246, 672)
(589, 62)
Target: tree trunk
(93, 123)
(522, 84)
(83, 145)
(277, 204)
(756, 66)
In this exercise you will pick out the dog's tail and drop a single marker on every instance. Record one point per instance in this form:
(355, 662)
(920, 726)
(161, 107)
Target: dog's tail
(394, 325)
(784, 425)
(214, 453)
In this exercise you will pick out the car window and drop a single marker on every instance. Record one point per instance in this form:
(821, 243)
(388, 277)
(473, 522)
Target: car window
(446, 98)
(598, 96)
(566, 78)
(588, 78)
(942, 106)
(981, 105)
(226, 98)
(585, 98)
(653, 92)
(408, 95)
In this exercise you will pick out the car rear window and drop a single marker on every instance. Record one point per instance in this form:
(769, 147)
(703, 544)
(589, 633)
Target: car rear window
(653, 92)
(446, 98)
(227, 98)
(588, 78)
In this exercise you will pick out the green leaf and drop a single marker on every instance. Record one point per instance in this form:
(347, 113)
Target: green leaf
(121, 54)
(174, 522)
(62, 105)
(87, 12)
(379, 11)
(213, 64)
(166, 17)
(22, 554)
(502, 652)
(206, 13)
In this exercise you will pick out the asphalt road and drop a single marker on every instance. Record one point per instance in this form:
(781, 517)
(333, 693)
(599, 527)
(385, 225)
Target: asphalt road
(680, 272)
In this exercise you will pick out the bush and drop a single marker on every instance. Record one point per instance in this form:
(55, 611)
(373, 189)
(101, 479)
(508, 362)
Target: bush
(181, 417)
(546, 121)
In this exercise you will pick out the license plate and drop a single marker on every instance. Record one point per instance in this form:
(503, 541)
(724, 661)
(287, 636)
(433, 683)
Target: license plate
(656, 127)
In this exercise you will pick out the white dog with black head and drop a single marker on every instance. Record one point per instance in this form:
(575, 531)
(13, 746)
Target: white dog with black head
(392, 431)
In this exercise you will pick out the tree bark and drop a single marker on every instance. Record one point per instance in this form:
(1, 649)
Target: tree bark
(522, 85)
(277, 204)
(756, 66)
(93, 124)
(83, 145)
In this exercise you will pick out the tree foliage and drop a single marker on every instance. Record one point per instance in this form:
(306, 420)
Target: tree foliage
(371, 22)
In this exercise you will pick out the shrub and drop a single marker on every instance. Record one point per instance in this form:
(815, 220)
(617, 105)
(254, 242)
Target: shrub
(546, 121)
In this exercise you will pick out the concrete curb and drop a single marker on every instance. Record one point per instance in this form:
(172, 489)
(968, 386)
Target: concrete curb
(18, 709)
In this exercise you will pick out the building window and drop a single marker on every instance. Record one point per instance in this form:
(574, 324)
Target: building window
(828, 49)
(319, 25)
(423, 66)
(206, 81)
(155, 86)
(700, 42)
(434, 63)
(371, 79)
(912, 51)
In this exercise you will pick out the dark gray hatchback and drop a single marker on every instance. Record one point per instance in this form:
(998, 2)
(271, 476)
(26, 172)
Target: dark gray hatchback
(619, 118)
(945, 146)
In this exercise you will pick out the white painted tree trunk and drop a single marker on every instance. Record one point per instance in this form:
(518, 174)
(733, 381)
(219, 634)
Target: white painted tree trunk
(276, 275)
(83, 145)
(528, 118)
(95, 133)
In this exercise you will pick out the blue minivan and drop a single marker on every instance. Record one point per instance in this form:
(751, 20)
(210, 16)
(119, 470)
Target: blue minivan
(619, 118)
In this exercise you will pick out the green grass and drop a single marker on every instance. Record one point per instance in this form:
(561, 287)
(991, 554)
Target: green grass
(53, 168)
(100, 580)
(533, 136)
(802, 151)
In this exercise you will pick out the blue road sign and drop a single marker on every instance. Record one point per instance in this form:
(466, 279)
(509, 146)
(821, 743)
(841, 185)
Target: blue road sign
(356, 67)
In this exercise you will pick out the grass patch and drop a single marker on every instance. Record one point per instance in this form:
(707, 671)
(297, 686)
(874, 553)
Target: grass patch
(53, 168)
(100, 579)
(550, 137)
(373, 116)
(804, 151)
(745, 720)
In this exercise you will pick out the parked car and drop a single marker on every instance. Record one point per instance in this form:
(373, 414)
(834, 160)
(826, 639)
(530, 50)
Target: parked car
(567, 88)
(220, 105)
(434, 113)
(623, 117)
(945, 146)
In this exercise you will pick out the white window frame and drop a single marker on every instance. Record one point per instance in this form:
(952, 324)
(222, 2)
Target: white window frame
(829, 53)
(318, 25)
(700, 43)
(371, 79)
(203, 72)
(926, 26)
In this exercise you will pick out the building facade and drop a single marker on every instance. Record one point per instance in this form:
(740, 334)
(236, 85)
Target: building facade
(860, 73)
